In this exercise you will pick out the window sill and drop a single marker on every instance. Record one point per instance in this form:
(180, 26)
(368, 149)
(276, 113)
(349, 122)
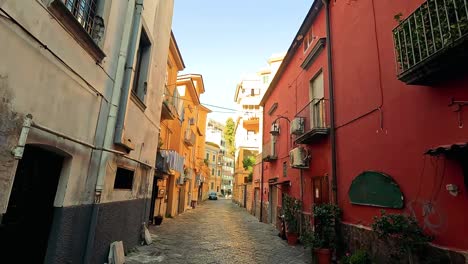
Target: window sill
(138, 101)
(69, 22)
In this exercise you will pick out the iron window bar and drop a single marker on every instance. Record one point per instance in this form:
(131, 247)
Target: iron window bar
(84, 12)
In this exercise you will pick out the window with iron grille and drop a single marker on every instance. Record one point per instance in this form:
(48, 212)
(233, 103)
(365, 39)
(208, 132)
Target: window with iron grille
(84, 11)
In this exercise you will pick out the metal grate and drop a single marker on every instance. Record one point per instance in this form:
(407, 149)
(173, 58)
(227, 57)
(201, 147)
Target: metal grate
(84, 11)
(432, 27)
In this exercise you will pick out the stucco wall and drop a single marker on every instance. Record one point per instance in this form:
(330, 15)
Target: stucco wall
(412, 120)
(292, 95)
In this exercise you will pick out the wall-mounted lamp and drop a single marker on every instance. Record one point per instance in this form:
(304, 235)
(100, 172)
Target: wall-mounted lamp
(452, 189)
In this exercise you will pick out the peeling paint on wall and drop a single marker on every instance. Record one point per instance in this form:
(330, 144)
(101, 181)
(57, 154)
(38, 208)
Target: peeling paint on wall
(10, 126)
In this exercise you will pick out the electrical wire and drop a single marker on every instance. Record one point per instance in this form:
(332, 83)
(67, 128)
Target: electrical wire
(44, 46)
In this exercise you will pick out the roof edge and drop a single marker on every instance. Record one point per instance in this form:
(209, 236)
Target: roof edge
(308, 20)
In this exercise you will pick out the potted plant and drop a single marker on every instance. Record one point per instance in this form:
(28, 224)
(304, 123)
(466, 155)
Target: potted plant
(402, 233)
(326, 216)
(291, 210)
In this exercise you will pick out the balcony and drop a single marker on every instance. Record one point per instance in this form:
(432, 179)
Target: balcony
(189, 137)
(314, 125)
(430, 44)
(269, 151)
(168, 111)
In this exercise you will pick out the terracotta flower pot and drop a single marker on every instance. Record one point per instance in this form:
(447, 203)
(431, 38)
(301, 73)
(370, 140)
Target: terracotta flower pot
(292, 238)
(323, 255)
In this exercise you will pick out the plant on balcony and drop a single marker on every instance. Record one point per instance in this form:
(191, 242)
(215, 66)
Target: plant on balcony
(291, 209)
(401, 232)
(432, 27)
(326, 217)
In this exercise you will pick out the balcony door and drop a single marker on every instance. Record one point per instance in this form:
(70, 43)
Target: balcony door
(316, 95)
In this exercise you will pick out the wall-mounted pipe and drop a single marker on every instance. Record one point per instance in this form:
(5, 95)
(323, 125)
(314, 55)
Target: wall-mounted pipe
(128, 73)
(116, 93)
(332, 102)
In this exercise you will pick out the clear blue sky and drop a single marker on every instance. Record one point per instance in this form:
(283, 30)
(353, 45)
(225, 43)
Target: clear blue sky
(224, 39)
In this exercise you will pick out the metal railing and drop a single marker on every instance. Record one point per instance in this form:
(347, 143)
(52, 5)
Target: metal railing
(432, 27)
(84, 11)
(314, 114)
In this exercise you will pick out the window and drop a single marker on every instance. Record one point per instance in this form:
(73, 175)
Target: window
(265, 78)
(285, 169)
(123, 179)
(316, 96)
(142, 66)
(208, 156)
(212, 172)
(308, 39)
(84, 11)
(212, 186)
(252, 92)
(250, 134)
(80, 19)
(230, 182)
(213, 158)
(219, 172)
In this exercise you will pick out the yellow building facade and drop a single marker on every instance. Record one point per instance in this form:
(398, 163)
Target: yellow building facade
(181, 172)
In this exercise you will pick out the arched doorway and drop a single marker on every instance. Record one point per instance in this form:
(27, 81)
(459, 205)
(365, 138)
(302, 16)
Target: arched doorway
(28, 219)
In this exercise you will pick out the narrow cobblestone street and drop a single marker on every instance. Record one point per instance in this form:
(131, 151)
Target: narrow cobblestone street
(217, 232)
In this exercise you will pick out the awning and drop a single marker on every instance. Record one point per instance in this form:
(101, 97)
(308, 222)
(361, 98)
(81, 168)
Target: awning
(456, 148)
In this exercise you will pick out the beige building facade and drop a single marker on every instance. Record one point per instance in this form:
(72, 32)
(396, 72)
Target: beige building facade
(81, 86)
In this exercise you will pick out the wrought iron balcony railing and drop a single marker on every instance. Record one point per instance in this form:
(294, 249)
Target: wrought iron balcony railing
(310, 123)
(431, 42)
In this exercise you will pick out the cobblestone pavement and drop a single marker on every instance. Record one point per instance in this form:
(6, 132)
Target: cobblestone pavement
(217, 232)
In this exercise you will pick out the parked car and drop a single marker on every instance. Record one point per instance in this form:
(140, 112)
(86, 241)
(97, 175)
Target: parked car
(212, 196)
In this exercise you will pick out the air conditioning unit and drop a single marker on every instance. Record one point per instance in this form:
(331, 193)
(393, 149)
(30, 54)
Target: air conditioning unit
(299, 158)
(275, 129)
(297, 126)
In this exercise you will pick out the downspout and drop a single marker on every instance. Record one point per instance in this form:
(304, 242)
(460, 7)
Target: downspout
(119, 127)
(332, 103)
(118, 94)
(261, 195)
(111, 120)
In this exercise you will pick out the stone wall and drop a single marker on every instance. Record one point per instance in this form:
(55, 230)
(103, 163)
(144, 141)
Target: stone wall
(355, 238)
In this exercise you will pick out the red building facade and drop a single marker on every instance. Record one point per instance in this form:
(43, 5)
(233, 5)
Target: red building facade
(298, 96)
(399, 98)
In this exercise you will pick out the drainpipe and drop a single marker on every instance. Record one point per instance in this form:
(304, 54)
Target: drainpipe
(128, 73)
(111, 120)
(261, 195)
(119, 85)
(332, 103)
